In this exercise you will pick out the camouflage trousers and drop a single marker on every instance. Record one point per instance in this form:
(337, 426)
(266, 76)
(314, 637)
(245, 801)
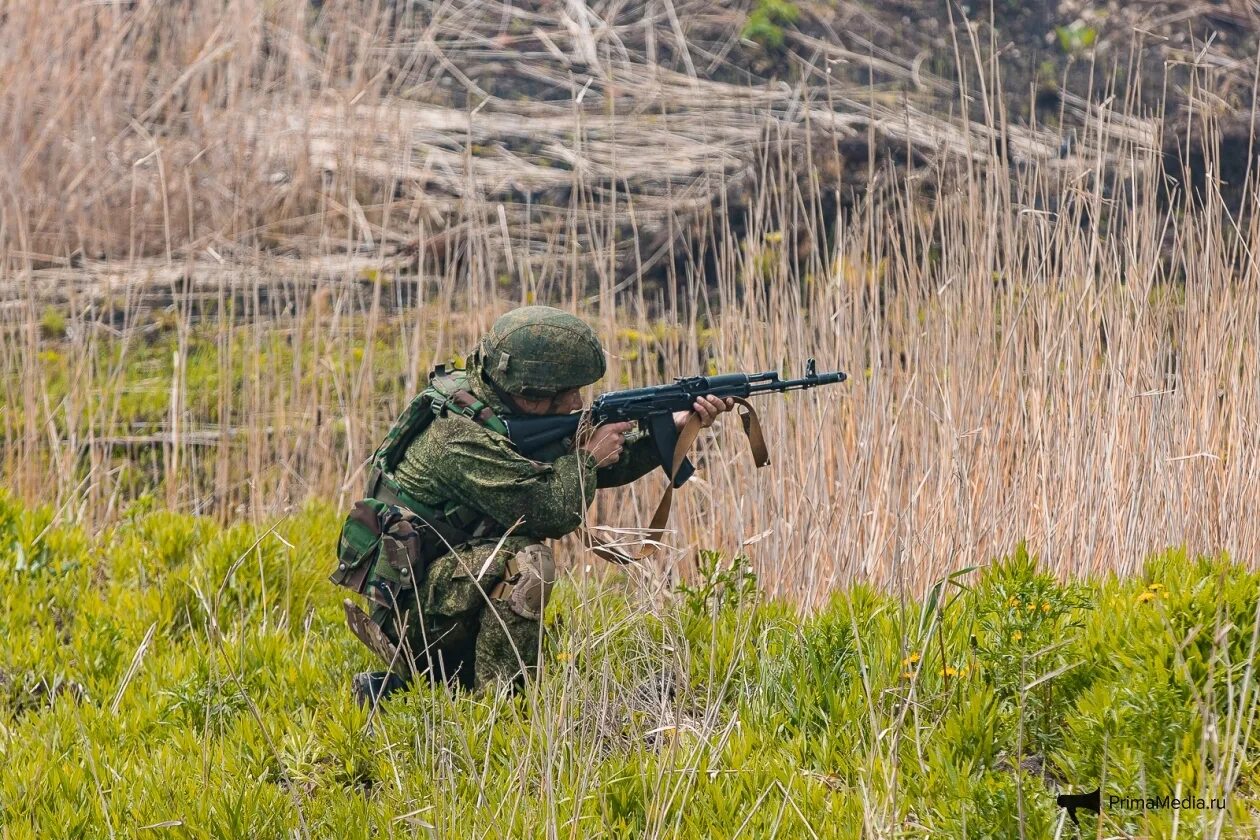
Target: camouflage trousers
(476, 617)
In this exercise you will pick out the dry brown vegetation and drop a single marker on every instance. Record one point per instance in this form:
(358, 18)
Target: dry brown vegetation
(235, 236)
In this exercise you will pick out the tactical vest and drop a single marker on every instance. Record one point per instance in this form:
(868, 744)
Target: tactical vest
(389, 530)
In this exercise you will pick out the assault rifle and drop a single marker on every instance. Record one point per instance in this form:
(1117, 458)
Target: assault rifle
(653, 408)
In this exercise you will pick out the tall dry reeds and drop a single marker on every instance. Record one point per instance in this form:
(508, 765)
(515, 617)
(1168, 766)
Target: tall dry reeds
(1056, 350)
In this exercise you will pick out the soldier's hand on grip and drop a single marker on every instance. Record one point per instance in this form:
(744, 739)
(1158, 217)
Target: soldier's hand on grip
(607, 442)
(707, 407)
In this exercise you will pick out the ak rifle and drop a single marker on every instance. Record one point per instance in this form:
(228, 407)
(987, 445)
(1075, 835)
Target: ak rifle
(653, 409)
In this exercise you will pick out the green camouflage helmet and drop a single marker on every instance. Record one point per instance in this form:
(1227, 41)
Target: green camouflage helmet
(537, 352)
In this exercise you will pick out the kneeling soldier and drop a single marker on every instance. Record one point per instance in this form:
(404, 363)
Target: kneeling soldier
(448, 545)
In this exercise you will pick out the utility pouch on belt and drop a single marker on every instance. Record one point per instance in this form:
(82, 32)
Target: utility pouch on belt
(392, 543)
(360, 543)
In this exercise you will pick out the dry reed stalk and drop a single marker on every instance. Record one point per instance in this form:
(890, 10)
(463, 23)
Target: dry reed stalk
(1045, 352)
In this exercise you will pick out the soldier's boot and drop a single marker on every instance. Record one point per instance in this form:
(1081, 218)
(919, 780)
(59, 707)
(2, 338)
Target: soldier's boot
(511, 625)
(371, 687)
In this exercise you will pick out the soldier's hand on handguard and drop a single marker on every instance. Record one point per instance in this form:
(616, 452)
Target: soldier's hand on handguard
(606, 443)
(708, 408)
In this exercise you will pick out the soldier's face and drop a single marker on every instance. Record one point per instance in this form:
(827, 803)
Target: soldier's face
(566, 402)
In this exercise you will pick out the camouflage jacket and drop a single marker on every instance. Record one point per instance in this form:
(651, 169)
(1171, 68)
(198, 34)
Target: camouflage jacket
(457, 459)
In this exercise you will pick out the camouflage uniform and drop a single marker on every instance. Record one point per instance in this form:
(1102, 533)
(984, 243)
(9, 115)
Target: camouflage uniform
(458, 459)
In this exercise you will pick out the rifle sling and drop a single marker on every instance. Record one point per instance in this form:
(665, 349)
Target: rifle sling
(656, 528)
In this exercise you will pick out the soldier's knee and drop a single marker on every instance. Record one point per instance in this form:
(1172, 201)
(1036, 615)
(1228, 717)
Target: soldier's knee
(528, 578)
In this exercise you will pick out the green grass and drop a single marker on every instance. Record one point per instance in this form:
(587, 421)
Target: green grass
(235, 719)
(134, 378)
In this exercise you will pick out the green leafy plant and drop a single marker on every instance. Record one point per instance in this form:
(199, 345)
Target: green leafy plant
(52, 323)
(1027, 625)
(1076, 37)
(721, 583)
(766, 22)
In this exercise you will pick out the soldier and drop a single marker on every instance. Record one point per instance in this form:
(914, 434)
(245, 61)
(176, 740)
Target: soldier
(462, 577)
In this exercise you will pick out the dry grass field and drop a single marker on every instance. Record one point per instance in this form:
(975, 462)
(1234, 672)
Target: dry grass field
(235, 236)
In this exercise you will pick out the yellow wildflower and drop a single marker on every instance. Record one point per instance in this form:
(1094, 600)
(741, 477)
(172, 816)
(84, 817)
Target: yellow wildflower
(1156, 587)
(907, 675)
(1017, 635)
(774, 237)
(1032, 607)
(1045, 607)
(911, 659)
(949, 671)
(1146, 596)
(1013, 602)
(563, 656)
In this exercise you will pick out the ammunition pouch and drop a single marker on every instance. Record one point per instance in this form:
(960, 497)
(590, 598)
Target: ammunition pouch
(391, 545)
(359, 544)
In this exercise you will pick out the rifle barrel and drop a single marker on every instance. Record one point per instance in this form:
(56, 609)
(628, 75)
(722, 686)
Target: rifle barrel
(798, 384)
